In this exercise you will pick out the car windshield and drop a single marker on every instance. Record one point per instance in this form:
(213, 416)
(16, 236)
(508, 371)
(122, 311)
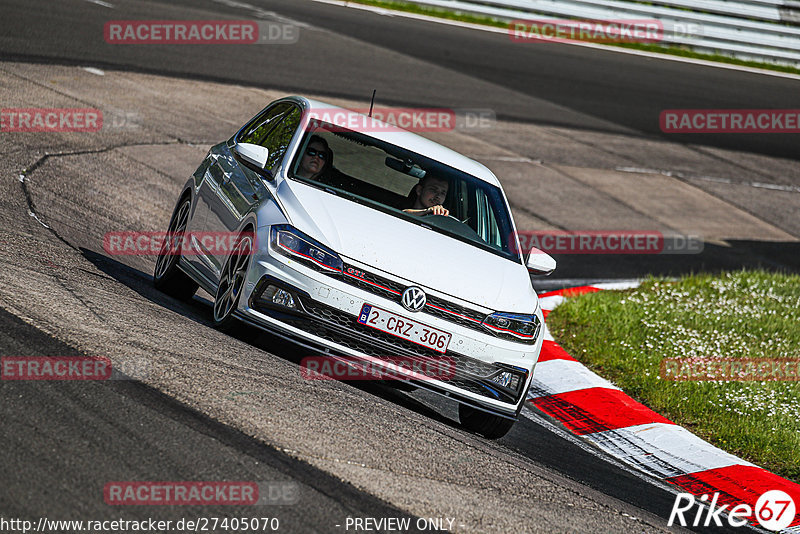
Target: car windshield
(385, 177)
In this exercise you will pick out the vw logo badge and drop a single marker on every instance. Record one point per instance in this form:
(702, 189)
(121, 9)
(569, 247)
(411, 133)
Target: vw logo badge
(413, 299)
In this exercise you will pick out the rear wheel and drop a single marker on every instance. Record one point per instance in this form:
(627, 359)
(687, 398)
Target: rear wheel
(167, 277)
(488, 425)
(231, 283)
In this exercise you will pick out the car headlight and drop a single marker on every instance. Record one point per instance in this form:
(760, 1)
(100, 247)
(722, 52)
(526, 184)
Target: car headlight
(515, 326)
(292, 242)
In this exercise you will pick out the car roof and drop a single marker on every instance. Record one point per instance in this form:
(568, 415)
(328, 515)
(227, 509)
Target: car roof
(410, 141)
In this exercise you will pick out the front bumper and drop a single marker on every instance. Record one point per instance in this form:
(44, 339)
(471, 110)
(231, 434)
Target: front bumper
(325, 320)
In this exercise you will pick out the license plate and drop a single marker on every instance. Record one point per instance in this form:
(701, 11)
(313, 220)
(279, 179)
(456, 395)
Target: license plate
(404, 328)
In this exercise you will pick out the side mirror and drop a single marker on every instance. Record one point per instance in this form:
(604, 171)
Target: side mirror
(253, 156)
(540, 263)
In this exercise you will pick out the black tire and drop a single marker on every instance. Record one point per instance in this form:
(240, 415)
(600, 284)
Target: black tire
(231, 283)
(483, 423)
(167, 277)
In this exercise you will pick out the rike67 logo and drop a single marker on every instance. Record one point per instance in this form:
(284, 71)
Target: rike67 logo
(774, 510)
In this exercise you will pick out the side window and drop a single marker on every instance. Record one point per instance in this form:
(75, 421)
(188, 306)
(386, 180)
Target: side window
(258, 129)
(487, 223)
(279, 137)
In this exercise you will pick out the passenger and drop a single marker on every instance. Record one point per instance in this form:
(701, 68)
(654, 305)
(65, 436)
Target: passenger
(427, 196)
(317, 159)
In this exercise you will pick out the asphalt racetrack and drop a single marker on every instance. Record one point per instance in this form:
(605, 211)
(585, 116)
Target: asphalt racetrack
(575, 141)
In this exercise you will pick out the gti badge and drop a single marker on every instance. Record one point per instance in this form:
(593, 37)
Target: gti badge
(413, 299)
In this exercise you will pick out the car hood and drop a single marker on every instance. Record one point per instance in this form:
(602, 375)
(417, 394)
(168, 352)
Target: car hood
(422, 256)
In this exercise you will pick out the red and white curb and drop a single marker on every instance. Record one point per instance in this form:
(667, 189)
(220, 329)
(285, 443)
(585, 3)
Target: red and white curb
(599, 412)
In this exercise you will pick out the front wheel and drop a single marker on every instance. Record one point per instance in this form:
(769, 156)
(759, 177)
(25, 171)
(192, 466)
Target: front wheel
(231, 283)
(488, 425)
(167, 277)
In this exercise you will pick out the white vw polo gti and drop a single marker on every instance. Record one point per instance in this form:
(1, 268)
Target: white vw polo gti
(365, 243)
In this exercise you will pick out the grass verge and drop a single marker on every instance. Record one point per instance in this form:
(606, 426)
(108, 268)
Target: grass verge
(624, 336)
(461, 16)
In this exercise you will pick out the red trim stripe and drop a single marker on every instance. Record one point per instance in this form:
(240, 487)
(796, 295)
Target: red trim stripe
(553, 351)
(570, 291)
(737, 484)
(452, 312)
(591, 410)
(372, 283)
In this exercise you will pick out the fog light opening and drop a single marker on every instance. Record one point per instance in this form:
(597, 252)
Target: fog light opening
(279, 297)
(283, 298)
(507, 379)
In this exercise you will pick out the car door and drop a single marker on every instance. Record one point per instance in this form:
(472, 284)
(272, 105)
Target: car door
(215, 174)
(238, 189)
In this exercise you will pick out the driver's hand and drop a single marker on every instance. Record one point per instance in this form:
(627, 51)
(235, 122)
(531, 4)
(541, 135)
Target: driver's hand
(438, 210)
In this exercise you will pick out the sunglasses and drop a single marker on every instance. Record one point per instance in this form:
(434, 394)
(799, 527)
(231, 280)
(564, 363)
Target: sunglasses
(323, 155)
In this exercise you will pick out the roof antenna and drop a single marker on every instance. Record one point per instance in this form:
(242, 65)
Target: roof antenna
(372, 102)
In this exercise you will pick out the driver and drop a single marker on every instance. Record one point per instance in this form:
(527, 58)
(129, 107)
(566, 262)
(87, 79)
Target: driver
(316, 160)
(429, 194)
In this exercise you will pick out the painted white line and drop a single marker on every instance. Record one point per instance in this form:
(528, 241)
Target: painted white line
(513, 159)
(550, 303)
(628, 284)
(774, 187)
(662, 449)
(547, 335)
(93, 70)
(101, 3)
(561, 376)
(642, 53)
(262, 13)
(715, 179)
(32, 214)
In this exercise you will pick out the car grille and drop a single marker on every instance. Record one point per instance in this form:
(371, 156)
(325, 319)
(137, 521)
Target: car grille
(369, 336)
(435, 306)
